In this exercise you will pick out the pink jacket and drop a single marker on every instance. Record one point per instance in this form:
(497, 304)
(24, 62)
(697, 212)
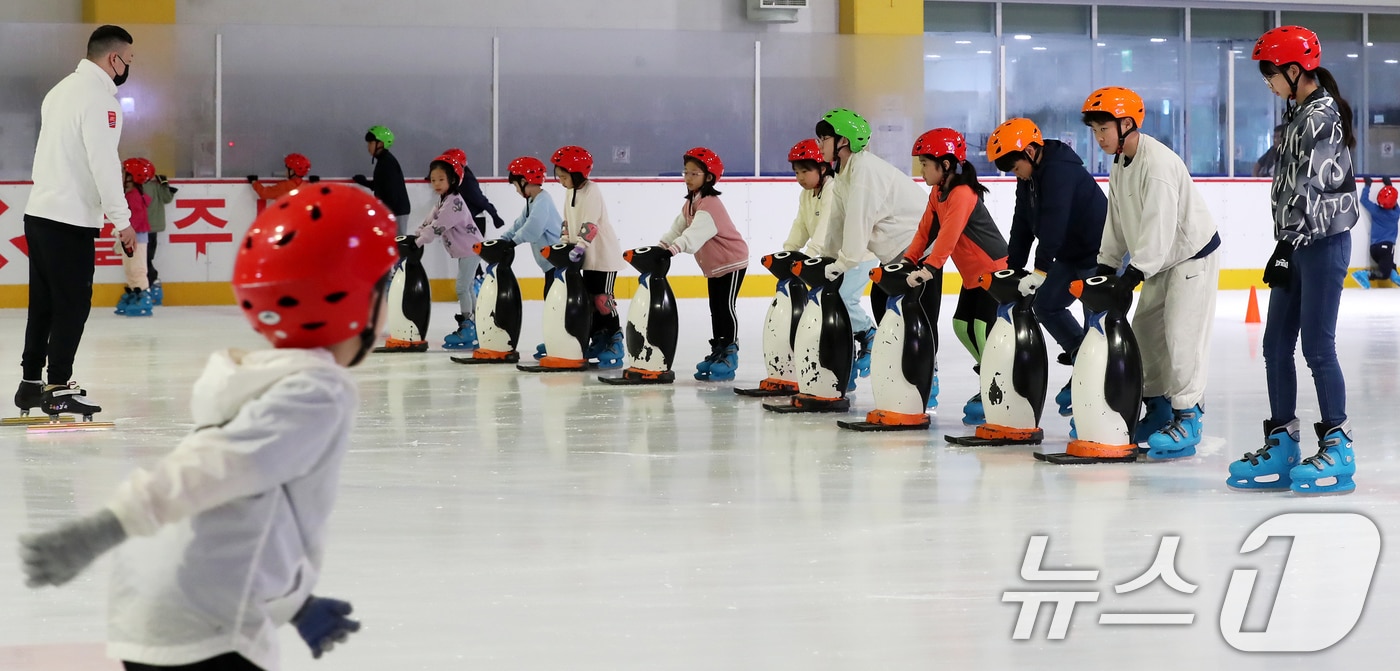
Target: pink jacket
(705, 230)
(138, 203)
(451, 221)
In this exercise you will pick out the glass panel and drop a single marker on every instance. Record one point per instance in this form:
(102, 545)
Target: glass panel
(1044, 19)
(167, 105)
(960, 17)
(636, 99)
(1047, 80)
(800, 74)
(316, 89)
(1382, 139)
(1234, 24)
(1329, 26)
(1143, 21)
(960, 78)
(1257, 111)
(1208, 86)
(1384, 28)
(1152, 67)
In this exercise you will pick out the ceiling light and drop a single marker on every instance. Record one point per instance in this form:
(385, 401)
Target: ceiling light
(963, 42)
(1157, 40)
(1023, 37)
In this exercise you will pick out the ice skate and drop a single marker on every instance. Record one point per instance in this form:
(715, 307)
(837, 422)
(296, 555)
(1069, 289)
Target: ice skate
(1268, 469)
(30, 395)
(1065, 400)
(725, 363)
(973, 411)
(1362, 277)
(866, 341)
(157, 294)
(68, 398)
(1330, 471)
(140, 304)
(1156, 418)
(1179, 438)
(124, 302)
(607, 349)
(464, 337)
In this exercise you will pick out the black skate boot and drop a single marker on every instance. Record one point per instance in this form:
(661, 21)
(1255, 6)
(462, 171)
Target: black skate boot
(29, 396)
(68, 398)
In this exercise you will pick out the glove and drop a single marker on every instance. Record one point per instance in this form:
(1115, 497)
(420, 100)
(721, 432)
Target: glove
(1385, 181)
(576, 254)
(1279, 272)
(360, 179)
(163, 180)
(497, 221)
(322, 623)
(1030, 283)
(1124, 285)
(919, 277)
(313, 179)
(832, 272)
(1366, 180)
(252, 178)
(1105, 269)
(57, 556)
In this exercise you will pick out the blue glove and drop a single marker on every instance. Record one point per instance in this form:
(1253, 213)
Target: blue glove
(322, 623)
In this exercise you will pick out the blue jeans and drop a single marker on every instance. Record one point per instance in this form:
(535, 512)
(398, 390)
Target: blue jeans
(852, 286)
(1052, 301)
(1308, 305)
(466, 275)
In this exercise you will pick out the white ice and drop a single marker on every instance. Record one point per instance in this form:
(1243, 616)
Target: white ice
(492, 519)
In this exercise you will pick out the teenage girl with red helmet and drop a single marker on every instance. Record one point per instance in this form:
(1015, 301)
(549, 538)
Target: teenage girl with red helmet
(703, 228)
(1314, 206)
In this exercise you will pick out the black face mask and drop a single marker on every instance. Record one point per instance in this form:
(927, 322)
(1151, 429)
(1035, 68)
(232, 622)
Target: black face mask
(121, 78)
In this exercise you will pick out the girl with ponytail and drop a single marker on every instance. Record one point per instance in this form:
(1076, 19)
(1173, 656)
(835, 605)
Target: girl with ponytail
(1314, 208)
(957, 225)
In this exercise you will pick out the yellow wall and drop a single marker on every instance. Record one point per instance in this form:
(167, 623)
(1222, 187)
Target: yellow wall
(882, 17)
(129, 11)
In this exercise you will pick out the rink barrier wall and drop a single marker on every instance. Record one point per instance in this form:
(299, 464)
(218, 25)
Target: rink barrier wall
(195, 253)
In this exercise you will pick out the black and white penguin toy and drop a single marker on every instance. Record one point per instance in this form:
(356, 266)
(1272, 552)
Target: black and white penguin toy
(780, 328)
(498, 304)
(1107, 379)
(410, 300)
(652, 323)
(1015, 369)
(824, 349)
(901, 362)
(568, 314)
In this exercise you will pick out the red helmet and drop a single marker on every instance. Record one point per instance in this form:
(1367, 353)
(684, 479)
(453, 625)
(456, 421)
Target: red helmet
(529, 167)
(574, 159)
(1387, 197)
(1289, 44)
(806, 150)
(140, 169)
(458, 156)
(307, 271)
(298, 164)
(941, 142)
(458, 168)
(709, 160)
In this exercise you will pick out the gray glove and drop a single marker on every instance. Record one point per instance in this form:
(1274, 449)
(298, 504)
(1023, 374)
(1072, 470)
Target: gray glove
(57, 556)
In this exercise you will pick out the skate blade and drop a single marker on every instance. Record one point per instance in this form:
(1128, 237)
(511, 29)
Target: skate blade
(548, 369)
(626, 381)
(1065, 459)
(786, 408)
(30, 421)
(974, 441)
(400, 350)
(513, 357)
(875, 426)
(764, 393)
(64, 427)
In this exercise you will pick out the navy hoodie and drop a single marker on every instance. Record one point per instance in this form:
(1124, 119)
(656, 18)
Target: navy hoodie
(388, 184)
(1063, 208)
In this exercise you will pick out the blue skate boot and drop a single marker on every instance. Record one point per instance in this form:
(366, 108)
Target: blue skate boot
(725, 362)
(1064, 400)
(464, 337)
(1329, 471)
(539, 351)
(1179, 438)
(1268, 469)
(702, 369)
(1395, 277)
(140, 304)
(1362, 277)
(933, 392)
(866, 341)
(607, 349)
(124, 302)
(157, 294)
(1157, 417)
(973, 413)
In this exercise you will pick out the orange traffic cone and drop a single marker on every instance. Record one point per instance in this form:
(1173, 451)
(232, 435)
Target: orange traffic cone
(1251, 315)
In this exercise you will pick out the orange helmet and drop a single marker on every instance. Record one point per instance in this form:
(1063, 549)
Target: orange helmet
(1120, 102)
(1013, 135)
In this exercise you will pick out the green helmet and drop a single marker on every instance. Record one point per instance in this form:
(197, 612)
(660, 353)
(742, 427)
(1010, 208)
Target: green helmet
(849, 125)
(381, 134)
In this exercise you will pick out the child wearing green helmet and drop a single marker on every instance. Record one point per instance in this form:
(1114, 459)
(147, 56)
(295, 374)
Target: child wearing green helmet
(388, 183)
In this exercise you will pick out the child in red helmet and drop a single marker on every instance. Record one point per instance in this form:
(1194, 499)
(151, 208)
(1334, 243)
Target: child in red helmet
(452, 222)
(957, 225)
(586, 224)
(703, 228)
(222, 539)
(298, 169)
(539, 223)
(136, 300)
(1384, 220)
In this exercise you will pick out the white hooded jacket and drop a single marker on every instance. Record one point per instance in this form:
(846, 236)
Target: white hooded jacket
(227, 531)
(875, 209)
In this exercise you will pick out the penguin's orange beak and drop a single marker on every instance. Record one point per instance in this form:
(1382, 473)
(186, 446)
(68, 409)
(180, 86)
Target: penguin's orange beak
(477, 248)
(985, 281)
(627, 256)
(876, 273)
(768, 262)
(797, 268)
(545, 252)
(1076, 288)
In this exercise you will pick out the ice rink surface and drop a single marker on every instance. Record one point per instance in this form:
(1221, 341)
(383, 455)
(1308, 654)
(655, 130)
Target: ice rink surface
(496, 520)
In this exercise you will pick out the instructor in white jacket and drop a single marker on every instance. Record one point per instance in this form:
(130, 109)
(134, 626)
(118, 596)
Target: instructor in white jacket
(77, 179)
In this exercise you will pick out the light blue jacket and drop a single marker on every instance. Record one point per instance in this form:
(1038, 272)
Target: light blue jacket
(538, 226)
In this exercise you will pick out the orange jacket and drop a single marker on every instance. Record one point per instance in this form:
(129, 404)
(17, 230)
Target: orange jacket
(277, 190)
(961, 228)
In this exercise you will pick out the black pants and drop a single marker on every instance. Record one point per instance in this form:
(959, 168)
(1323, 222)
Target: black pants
(152, 275)
(598, 283)
(227, 662)
(723, 292)
(61, 263)
(931, 299)
(1383, 254)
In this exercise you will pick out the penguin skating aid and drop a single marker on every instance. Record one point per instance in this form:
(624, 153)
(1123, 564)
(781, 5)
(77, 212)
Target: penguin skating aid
(1014, 371)
(901, 362)
(410, 301)
(824, 350)
(652, 323)
(498, 306)
(780, 327)
(1107, 380)
(568, 314)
